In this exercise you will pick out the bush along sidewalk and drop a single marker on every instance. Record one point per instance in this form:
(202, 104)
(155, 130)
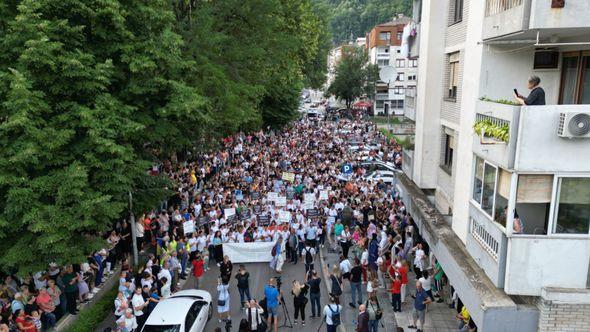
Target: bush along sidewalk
(89, 318)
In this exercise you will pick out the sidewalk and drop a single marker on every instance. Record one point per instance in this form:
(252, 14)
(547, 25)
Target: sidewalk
(439, 318)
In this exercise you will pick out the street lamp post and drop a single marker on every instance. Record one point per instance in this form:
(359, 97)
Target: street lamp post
(133, 230)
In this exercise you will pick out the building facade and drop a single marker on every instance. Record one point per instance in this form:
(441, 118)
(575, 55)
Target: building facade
(384, 45)
(500, 191)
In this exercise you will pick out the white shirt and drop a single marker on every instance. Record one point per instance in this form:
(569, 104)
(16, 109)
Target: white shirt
(130, 323)
(345, 266)
(328, 309)
(426, 283)
(137, 301)
(165, 273)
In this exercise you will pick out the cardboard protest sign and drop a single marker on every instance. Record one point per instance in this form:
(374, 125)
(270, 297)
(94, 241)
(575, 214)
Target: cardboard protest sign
(288, 176)
(324, 195)
(264, 220)
(309, 197)
(257, 209)
(272, 196)
(313, 213)
(245, 214)
(284, 216)
(188, 226)
(281, 201)
(255, 195)
(203, 220)
(230, 214)
(307, 205)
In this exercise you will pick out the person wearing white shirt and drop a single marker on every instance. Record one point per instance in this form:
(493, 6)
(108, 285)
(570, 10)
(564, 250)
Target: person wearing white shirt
(139, 304)
(345, 267)
(330, 309)
(128, 321)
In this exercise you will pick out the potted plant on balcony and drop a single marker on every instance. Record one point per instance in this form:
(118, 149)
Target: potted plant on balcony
(491, 133)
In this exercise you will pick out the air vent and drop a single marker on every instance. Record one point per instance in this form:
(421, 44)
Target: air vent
(574, 125)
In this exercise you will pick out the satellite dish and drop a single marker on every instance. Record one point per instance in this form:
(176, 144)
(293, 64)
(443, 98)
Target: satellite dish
(388, 74)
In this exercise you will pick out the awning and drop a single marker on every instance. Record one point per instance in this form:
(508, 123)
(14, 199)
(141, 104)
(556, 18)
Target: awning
(362, 104)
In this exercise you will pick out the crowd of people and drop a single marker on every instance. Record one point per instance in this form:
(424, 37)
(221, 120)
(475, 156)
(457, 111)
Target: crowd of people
(282, 187)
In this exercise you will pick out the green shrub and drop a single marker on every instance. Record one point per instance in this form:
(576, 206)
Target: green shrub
(490, 129)
(89, 318)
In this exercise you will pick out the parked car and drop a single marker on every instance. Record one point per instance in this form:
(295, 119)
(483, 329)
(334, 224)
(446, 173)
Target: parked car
(386, 176)
(188, 310)
(378, 165)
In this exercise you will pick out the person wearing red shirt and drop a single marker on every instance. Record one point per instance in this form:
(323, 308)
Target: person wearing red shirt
(23, 322)
(403, 272)
(396, 286)
(198, 270)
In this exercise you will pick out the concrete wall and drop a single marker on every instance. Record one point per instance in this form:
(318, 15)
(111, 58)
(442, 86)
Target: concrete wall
(574, 14)
(534, 262)
(538, 128)
(430, 93)
(506, 22)
(470, 86)
(502, 71)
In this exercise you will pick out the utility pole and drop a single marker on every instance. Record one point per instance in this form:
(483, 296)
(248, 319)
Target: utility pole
(133, 230)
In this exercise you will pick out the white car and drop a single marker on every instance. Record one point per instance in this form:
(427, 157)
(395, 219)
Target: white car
(185, 311)
(386, 176)
(379, 165)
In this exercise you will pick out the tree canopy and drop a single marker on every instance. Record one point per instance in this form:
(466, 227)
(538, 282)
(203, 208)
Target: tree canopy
(354, 76)
(92, 93)
(356, 17)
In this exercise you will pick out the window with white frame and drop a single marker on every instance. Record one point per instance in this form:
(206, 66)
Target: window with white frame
(572, 205)
(382, 62)
(413, 63)
(400, 77)
(398, 90)
(384, 35)
(397, 104)
(379, 104)
(399, 36)
(400, 63)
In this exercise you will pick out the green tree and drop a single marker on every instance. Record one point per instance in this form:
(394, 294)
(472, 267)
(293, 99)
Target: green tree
(354, 77)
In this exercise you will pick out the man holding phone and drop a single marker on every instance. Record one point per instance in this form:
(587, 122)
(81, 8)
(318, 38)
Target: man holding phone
(537, 95)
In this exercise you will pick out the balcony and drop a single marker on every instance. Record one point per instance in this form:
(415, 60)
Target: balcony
(532, 262)
(408, 163)
(531, 127)
(524, 18)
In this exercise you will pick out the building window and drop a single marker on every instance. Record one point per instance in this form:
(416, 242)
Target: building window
(400, 77)
(478, 179)
(411, 77)
(400, 63)
(397, 104)
(399, 51)
(399, 36)
(413, 63)
(379, 104)
(446, 161)
(398, 90)
(453, 75)
(575, 78)
(382, 62)
(489, 187)
(456, 11)
(384, 36)
(572, 209)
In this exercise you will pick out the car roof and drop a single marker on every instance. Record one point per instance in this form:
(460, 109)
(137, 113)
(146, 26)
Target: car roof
(173, 310)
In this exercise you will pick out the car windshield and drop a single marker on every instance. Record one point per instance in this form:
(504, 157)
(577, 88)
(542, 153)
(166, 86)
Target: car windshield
(161, 328)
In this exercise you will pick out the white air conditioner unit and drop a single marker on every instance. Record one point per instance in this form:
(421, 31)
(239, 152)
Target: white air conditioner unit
(574, 125)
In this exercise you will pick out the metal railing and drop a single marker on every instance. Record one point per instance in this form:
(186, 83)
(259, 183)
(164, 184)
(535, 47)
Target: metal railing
(494, 7)
(494, 120)
(485, 239)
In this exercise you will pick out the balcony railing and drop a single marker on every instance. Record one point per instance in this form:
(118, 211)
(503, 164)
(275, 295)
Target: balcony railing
(532, 128)
(485, 239)
(494, 7)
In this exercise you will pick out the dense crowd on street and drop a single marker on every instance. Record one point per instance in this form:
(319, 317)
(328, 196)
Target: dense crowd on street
(283, 187)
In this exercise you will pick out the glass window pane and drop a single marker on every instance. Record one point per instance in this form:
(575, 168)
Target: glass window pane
(489, 186)
(478, 179)
(570, 73)
(573, 210)
(585, 91)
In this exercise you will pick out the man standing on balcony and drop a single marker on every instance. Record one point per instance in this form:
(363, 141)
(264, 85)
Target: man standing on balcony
(537, 95)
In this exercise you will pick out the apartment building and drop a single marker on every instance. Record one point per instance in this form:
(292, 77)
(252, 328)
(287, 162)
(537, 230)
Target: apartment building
(384, 45)
(336, 55)
(502, 192)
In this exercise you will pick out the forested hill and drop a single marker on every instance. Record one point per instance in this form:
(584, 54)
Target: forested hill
(359, 16)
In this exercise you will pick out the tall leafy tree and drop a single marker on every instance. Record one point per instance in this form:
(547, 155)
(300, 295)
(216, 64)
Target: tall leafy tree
(354, 77)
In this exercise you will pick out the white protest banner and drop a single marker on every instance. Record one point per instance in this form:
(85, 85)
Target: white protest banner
(281, 201)
(287, 176)
(323, 195)
(284, 216)
(229, 212)
(272, 196)
(307, 205)
(188, 226)
(310, 197)
(251, 252)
